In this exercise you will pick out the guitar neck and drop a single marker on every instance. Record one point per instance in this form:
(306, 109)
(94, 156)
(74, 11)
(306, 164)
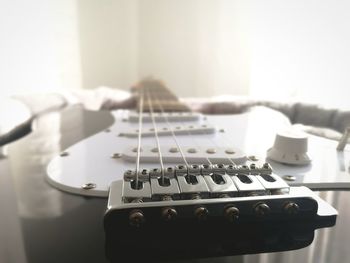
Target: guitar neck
(155, 94)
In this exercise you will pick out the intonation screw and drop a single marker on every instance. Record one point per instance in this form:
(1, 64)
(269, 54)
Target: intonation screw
(169, 214)
(291, 208)
(231, 213)
(136, 218)
(201, 213)
(262, 209)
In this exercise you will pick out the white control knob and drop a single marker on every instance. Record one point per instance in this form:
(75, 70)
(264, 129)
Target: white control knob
(290, 147)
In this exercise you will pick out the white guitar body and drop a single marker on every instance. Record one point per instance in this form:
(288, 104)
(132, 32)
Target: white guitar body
(102, 158)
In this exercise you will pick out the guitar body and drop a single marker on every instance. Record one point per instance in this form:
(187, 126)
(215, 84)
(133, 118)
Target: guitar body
(168, 172)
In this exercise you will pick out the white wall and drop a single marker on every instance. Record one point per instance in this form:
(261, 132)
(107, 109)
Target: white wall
(301, 50)
(39, 50)
(277, 49)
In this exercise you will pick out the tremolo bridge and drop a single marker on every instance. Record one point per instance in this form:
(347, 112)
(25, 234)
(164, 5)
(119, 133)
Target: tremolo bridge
(210, 210)
(208, 192)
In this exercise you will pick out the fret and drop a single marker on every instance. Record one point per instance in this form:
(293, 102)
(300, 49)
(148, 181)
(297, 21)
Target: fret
(161, 97)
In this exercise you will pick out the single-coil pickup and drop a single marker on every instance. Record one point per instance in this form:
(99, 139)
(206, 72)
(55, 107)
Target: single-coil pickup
(177, 130)
(165, 116)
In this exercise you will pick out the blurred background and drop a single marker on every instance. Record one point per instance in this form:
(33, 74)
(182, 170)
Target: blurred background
(280, 50)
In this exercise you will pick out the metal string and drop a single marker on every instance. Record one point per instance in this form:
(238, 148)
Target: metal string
(139, 139)
(172, 132)
(156, 136)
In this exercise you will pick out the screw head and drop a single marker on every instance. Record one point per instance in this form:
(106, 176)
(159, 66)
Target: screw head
(231, 213)
(290, 178)
(136, 218)
(169, 214)
(262, 209)
(116, 155)
(253, 158)
(88, 186)
(201, 213)
(291, 208)
(64, 154)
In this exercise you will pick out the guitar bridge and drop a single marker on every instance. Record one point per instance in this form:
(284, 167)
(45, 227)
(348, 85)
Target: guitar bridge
(201, 198)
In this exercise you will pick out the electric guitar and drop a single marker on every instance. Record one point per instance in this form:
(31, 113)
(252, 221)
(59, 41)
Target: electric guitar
(198, 185)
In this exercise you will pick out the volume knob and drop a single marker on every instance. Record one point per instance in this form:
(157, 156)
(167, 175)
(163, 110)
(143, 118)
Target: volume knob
(290, 147)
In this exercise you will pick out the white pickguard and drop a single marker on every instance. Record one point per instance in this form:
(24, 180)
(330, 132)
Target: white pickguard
(89, 161)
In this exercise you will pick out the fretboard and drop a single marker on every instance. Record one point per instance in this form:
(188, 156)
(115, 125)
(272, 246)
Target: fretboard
(155, 92)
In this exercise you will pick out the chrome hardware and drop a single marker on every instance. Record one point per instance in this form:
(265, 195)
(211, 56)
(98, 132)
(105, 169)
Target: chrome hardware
(291, 208)
(261, 209)
(88, 186)
(201, 213)
(132, 191)
(220, 184)
(169, 213)
(166, 186)
(136, 218)
(231, 213)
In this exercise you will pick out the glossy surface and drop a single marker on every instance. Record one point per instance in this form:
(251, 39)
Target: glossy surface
(41, 224)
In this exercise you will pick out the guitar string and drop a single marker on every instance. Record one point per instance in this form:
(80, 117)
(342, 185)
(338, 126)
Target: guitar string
(194, 139)
(172, 132)
(156, 136)
(139, 138)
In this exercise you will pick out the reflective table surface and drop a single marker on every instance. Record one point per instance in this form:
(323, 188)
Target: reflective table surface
(39, 223)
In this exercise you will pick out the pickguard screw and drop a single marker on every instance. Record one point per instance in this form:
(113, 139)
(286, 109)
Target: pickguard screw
(221, 130)
(88, 186)
(116, 155)
(253, 158)
(290, 178)
(64, 154)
